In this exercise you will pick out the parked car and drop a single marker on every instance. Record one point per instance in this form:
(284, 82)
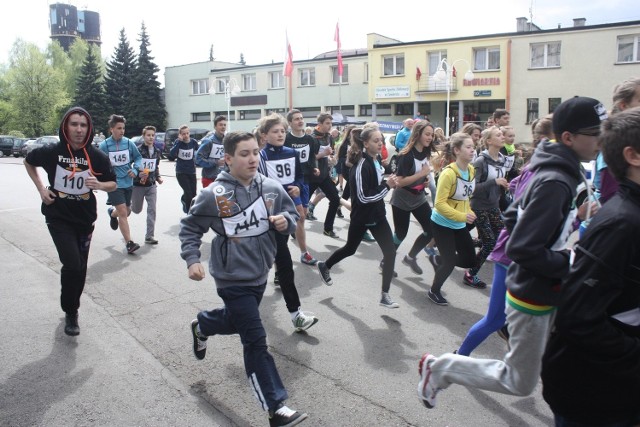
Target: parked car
(17, 146)
(171, 135)
(6, 144)
(41, 142)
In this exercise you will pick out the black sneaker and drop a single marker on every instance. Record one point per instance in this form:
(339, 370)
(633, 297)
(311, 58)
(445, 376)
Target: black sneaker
(437, 298)
(311, 217)
(285, 417)
(331, 233)
(132, 247)
(325, 273)
(150, 241)
(113, 221)
(381, 266)
(276, 279)
(473, 281)
(413, 263)
(339, 213)
(199, 343)
(71, 327)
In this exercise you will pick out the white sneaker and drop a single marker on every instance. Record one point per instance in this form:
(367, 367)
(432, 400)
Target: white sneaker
(426, 390)
(302, 321)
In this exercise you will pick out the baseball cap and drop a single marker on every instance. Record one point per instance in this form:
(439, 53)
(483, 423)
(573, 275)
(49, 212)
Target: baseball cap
(577, 114)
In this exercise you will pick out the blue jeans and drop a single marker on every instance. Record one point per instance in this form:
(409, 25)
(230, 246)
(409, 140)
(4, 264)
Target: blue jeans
(495, 317)
(241, 315)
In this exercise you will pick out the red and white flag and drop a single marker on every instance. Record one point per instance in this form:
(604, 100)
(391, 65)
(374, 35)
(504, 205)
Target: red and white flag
(336, 38)
(418, 73)
(287, 68)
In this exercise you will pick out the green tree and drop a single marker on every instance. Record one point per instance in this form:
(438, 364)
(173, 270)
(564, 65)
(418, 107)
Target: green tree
(146, 106)
(90, 93)
(35, 90)
(118, 77)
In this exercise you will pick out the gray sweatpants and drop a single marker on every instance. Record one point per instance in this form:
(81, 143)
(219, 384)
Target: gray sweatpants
(517, 374)
(137, 201)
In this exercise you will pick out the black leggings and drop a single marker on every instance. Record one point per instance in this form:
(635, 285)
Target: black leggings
(284, 267)
(189, 185)
(331, 192)
(456, 249)
(401, 223)
(382, 233)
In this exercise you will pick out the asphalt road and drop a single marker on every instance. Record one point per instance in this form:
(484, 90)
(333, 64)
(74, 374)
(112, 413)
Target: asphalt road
(133, 364)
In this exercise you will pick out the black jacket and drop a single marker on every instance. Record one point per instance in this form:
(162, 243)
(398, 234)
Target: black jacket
(368, 190)
(538, 224)
(591, 369)
(321, 139)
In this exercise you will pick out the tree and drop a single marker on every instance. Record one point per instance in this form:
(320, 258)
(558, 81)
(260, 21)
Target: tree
(146, 107)
(90, 92)
(35, 91)
(242, 61)
(118, 77)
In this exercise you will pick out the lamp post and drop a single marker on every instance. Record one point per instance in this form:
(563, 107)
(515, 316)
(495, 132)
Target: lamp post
(231, 88)
(445, 71)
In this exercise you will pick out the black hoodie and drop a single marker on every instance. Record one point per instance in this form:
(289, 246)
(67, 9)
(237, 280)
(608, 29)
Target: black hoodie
(66, 170)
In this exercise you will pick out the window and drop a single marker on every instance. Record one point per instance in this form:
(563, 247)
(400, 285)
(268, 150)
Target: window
(200, 87)
(308, 77)
(276, 80)
(366, 72)
(248, 82)
(553, 103)
(433, 59)
(545, 55)
(393, 65)
(221, 83)
(383, 110)
(629, 48)
(250, 114)
(335, 78)
(486, 58)
(404, 109)
(532, 109)
(200, 117)
(366, 110)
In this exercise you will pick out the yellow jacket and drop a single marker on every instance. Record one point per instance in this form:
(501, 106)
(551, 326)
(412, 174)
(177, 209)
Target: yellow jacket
(453, 193)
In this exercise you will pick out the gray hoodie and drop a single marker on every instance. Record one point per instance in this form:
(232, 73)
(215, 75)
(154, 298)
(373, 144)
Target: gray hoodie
(244, 248)
(487, 193)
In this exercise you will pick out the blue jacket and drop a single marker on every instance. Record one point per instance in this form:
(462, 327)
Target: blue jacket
(211, 149)
(282, 164)
(185, 155)
(402, 138)
(122, 155)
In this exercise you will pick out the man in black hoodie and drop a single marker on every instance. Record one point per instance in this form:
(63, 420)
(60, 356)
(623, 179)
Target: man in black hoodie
(540, 223)
(591, 368)
(75, 168)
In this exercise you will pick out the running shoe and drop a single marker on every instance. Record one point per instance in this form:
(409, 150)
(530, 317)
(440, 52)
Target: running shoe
(437, 298)
(426, 390)
(306, 258)
(387, 302)
(150, 241)
(381, 267)
(413, 263)
(325, 273)
(473, 281)
(285, 417)
(199, 342)
(132, 247)
(71, 327)
(302, 321)
(367, 237)
(331, 233)
(276, 279)
(113, 220)
(311, 217)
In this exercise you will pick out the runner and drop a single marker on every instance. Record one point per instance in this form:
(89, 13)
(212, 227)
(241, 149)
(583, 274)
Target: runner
(184, 150)
(75, 168)
(210, 155)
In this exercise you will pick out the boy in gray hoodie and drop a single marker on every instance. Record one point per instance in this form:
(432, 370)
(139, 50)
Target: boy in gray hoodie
(245, 210)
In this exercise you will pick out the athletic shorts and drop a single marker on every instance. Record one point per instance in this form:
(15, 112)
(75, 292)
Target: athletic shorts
(304, 196)
(120, 196)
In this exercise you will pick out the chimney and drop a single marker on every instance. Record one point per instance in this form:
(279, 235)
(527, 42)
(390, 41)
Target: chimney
(521, 25)
(579, 22)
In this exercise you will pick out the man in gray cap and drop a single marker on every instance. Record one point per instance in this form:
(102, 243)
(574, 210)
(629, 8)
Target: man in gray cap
(540, 223)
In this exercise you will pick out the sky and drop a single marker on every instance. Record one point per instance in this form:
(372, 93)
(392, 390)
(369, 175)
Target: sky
(183, 33)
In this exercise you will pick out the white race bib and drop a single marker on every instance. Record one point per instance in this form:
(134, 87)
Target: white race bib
(304, 152)
(508, 162)
(119, 158)
(253, 221)
(185, 154)
(282, 170)
(217, 151)
(65, 183)
(494, 172)
(149, 164)
(464, 189)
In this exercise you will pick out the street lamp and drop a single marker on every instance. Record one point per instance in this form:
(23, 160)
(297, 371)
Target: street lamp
(445, 71)
(231, 88)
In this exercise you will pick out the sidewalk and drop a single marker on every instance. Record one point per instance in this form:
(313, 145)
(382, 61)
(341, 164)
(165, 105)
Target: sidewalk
(104, 377)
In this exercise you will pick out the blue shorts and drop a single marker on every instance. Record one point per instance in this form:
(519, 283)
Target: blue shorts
(304, 195)
(120, 196)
